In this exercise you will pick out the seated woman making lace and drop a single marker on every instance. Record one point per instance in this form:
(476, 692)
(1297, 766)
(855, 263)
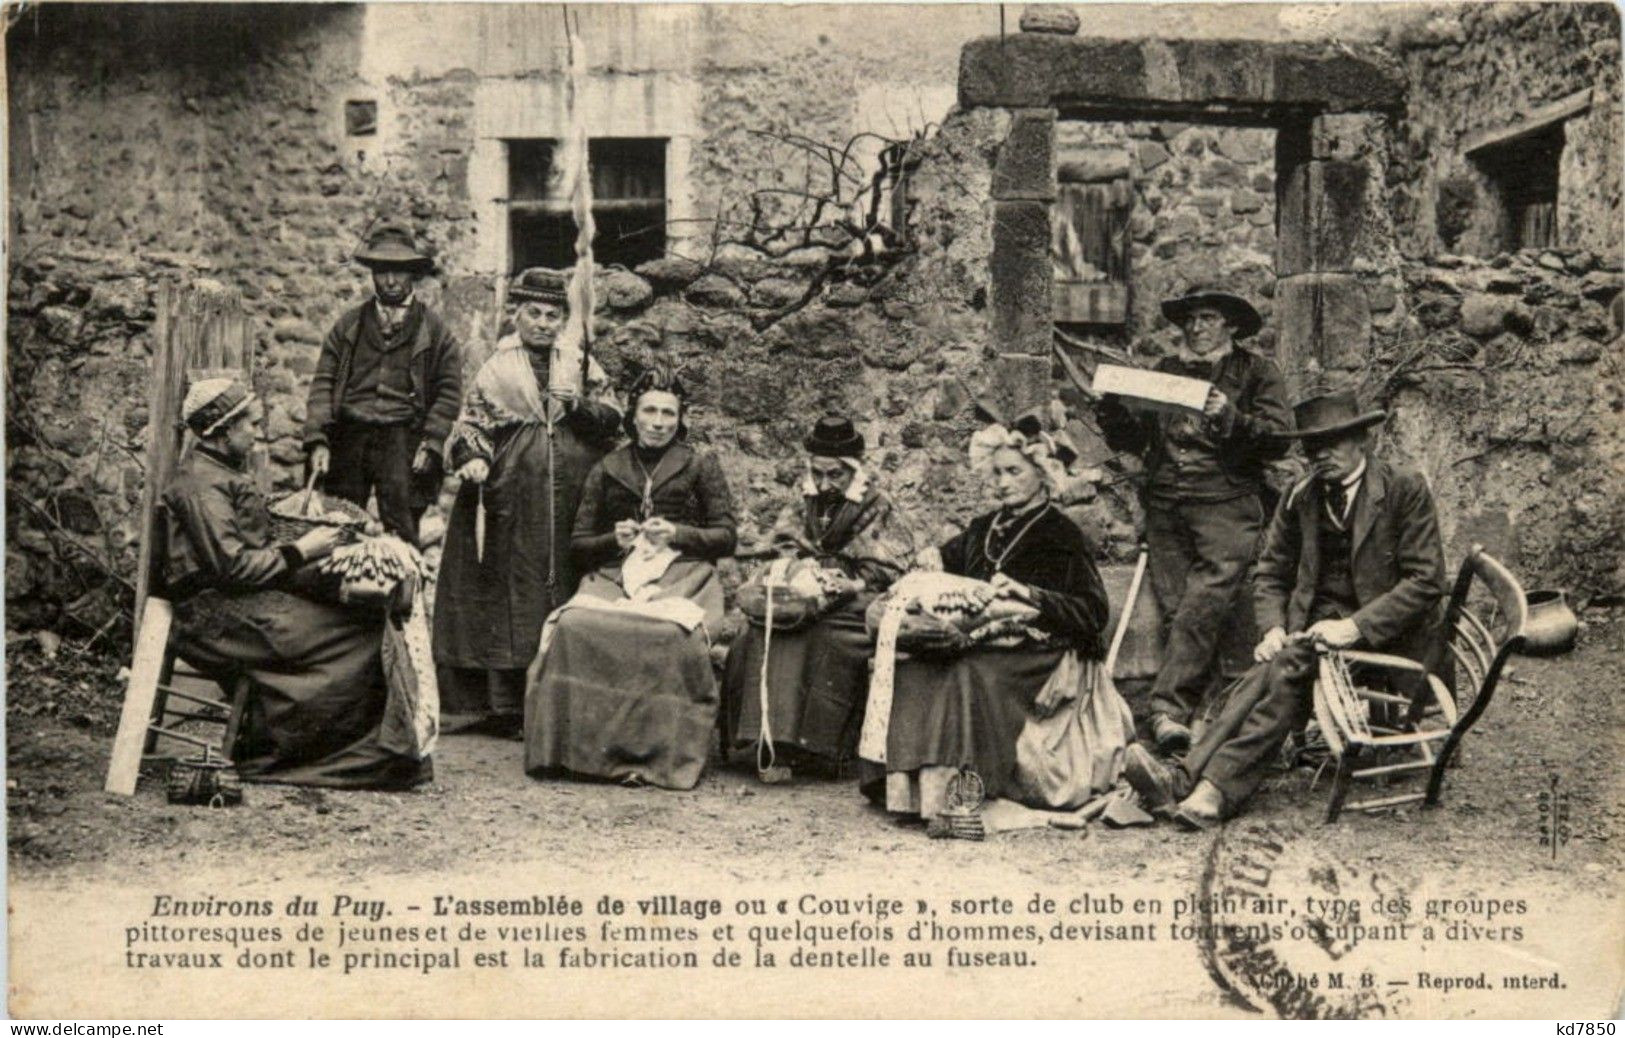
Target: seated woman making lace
(247, 605)
(1024, 705)
(622, 687)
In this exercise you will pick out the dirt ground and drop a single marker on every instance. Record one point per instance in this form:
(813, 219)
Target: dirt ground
(483, 815)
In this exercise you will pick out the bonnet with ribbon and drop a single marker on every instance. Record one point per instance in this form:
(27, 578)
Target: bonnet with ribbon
(1051, 452)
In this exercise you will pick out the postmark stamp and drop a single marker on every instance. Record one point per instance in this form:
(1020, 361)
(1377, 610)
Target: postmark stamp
(1290, 931)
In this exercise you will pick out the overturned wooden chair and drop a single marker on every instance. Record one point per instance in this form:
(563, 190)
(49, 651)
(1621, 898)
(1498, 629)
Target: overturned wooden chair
(1425, 730)
(200, 332)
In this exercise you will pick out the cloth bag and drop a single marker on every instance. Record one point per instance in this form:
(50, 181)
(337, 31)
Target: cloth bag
(1072, 748)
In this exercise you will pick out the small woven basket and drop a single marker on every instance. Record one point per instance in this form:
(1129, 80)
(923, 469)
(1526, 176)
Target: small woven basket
(289, 521)
(961, 817)
(203, 780)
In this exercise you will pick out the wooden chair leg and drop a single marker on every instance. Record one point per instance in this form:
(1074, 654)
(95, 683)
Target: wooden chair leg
(234, 721)
(160, 702)
(1436, 776)
(1340, 782)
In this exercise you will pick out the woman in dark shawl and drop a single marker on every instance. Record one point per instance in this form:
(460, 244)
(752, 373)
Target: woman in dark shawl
(622, 688)
(248, 605)
(796, 696)
(522, 446)
(1037, 722)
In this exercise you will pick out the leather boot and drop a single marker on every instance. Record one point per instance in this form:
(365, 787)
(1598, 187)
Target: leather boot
(1159, 785)
(1171, 736)
(1203, 809)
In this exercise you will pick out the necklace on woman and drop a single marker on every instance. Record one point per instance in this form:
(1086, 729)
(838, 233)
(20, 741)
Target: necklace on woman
(646, 507)
(987, 539)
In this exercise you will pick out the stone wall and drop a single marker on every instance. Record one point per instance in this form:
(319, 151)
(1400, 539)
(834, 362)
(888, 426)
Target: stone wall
(1477, 67)
(1504, 382)
(135, 162)
(1203, 210)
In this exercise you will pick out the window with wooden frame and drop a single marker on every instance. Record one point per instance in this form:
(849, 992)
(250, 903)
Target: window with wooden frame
(628, 205)
(1089, 241)
(1522, 163)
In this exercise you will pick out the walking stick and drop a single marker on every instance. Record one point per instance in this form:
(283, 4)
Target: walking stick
(1128, 611)
(479, 523)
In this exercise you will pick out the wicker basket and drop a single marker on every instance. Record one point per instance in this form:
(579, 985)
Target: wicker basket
(288, 523)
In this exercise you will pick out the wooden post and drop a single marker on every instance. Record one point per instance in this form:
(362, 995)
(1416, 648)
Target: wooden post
(201, 330)
(145, 669)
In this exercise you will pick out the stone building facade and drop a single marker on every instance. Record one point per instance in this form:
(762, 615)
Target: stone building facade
(157, 144)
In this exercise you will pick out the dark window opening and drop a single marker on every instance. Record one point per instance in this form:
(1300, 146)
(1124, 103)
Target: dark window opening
(361, 118)
(1524, 172)
(629, 204)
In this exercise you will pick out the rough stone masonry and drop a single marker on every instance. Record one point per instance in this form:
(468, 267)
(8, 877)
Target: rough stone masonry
(1316, 175)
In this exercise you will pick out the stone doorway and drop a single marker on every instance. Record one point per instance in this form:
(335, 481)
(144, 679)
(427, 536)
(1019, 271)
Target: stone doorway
(1329, 108)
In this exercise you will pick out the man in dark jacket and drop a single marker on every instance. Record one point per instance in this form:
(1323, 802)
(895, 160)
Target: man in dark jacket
(386, 391)
(1353, 558)
(1204, 477)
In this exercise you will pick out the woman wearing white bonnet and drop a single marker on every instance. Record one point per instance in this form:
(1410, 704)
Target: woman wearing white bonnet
(1000, 708)
(247, 604)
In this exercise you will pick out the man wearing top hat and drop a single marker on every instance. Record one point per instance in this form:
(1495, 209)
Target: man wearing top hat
(1352, 558)
(817, 676)
(1204, 476)
(386, 390)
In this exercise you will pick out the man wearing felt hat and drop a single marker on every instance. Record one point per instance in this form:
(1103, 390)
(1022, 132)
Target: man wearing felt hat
(1204, 479)
(817, 676)
(1353, 558)
(386, 390)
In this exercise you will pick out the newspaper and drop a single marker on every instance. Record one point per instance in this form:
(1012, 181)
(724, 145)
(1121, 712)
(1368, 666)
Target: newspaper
(1152, 390)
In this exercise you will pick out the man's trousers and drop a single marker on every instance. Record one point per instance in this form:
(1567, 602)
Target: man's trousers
(1269, 703)
(1200, 553)
(367, 459)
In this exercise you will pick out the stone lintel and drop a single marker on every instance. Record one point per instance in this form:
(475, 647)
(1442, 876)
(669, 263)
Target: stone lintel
(1041, 70)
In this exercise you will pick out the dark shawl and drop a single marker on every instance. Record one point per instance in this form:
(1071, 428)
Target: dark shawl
(1053, 559)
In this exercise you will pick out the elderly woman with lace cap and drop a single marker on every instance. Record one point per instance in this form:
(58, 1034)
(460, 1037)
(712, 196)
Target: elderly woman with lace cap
(622, 687)
(970, 709)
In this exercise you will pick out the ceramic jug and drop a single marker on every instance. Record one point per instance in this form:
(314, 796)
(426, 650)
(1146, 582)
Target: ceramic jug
(1552, 625)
